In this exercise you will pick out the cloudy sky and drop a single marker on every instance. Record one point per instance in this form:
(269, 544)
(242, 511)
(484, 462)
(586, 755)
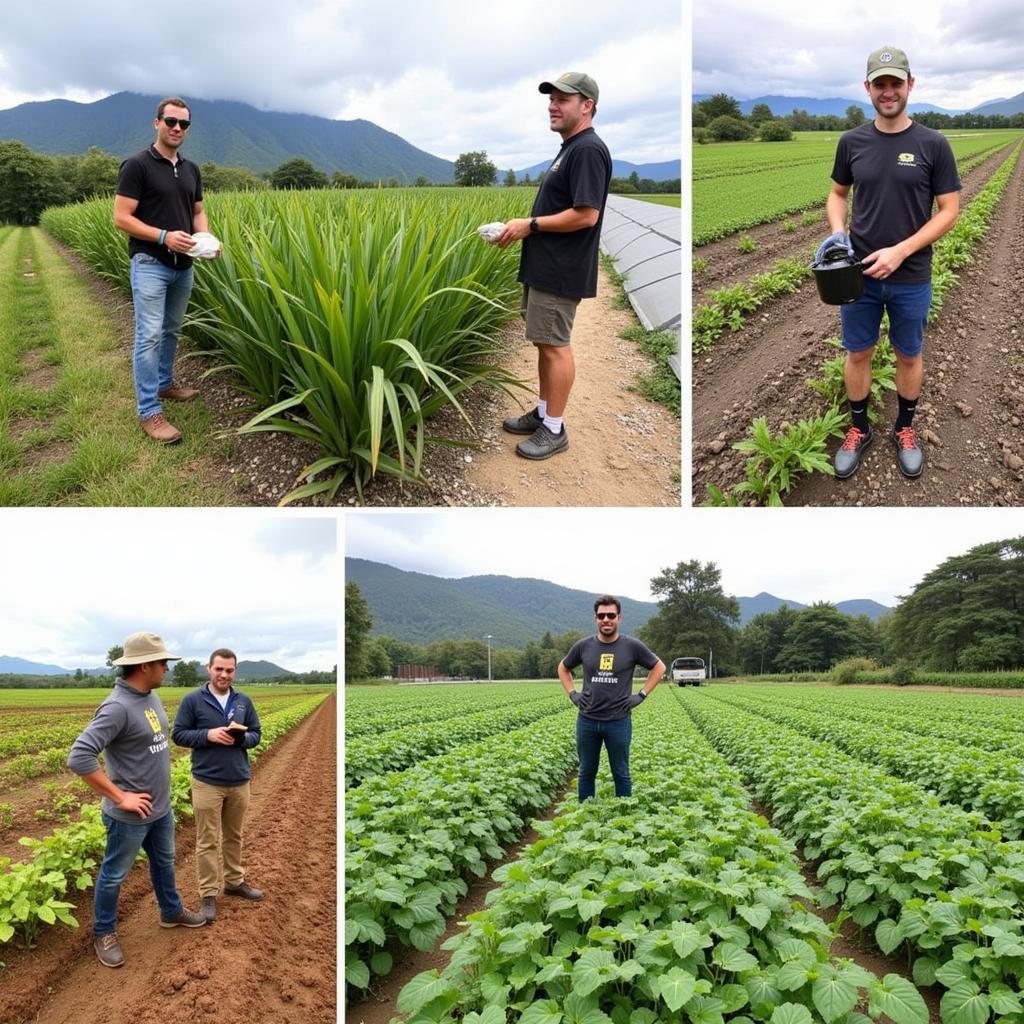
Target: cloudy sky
(449, 76)
(962, 52)
(77, 582)
(805, 555)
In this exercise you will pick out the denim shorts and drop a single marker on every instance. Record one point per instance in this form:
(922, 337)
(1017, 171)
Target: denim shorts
(907, 306)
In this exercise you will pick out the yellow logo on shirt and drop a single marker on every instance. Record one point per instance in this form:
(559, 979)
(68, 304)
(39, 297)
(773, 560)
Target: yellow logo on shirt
(154, 722)
(607, 662)
(906, 158)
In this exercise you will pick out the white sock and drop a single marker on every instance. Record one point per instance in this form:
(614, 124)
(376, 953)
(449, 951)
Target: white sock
(542, 408)
(553, 423)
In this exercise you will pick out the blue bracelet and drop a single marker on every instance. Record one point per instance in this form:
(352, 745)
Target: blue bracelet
(163, 235)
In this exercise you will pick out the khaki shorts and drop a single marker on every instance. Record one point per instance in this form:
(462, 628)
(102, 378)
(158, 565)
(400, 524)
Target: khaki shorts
(548, 317)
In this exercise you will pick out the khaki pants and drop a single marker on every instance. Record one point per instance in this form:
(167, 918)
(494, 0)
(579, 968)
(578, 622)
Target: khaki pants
(219, 811)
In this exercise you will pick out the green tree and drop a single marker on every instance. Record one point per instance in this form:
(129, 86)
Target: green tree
(801, 121)
(358, 623)
(729, 129)
(775, 130)
(761, 112)
(968, 610)
(420, 182)
(298, 174)
(230, 179)
(719, 105)
(378, 664)
(763, 638)
(855, 115)
(78, 674)
(475, 169)
(29, 183)
(510, 178)
(187, 673)
(819, 637)
(115, 652)
(342, 180)
(694, 613)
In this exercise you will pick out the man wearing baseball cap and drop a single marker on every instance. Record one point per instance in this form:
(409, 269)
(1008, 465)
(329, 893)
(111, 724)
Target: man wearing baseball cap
(558, 261)
(130, 728)
(898, 169)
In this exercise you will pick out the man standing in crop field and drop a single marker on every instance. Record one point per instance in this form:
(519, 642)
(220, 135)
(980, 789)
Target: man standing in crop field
(130, 729)
(897, 169)
(606, 702)
(220, 725)
(558, 261)
(159, 203)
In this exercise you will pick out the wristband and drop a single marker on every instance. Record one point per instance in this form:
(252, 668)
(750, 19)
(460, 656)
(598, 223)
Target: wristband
(642, 695)
(163, 235)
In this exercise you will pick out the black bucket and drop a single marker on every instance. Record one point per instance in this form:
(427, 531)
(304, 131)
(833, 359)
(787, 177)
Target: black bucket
(840, 278)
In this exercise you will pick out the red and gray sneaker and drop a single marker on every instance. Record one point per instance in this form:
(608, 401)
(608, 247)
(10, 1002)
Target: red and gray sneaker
(847, 458)
(909, 454)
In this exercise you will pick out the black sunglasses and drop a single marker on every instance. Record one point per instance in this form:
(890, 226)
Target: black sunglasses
(606, 615)
(177, 122)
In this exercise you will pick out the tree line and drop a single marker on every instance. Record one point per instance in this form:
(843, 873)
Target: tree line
(718, 118)
(965, 615)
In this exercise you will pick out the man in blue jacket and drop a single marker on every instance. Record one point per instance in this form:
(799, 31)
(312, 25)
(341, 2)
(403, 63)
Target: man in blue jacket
(220, 725)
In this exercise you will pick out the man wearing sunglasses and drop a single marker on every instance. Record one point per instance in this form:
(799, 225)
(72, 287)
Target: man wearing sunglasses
(130, 729)
(607, 699)
(159, 203)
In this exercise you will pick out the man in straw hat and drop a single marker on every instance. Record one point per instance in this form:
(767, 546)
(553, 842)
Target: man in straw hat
(130, 728)
(558, 261)
(897, 169)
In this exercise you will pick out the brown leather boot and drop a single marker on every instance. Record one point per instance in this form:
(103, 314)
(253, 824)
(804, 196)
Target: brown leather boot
(176, 394)
(160, 430)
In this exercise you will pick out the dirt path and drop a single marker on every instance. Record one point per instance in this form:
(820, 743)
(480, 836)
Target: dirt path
(623, 449)
(274, 960)
(973, 355)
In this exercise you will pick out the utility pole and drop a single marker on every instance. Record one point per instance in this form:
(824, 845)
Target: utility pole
(711, 663)
(488, 638)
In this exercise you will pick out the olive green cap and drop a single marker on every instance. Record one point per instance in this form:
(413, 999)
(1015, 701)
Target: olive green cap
(888, 61)
(572, 81)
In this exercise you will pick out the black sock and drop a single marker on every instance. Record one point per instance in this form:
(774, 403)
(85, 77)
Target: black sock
(908, 406)
(859, 414)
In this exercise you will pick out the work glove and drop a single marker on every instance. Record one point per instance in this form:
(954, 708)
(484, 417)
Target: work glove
(574, 696)
(838, 240)
(636, 699)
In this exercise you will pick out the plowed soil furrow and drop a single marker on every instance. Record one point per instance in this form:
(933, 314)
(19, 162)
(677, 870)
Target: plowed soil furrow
(761, 372)
(272, 960)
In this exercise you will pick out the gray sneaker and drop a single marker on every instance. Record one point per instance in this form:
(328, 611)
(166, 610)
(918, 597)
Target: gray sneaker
(542, 444)
(245, 891)
(909, 454)
(108, 949)
(847, 458)
(525, 424)
(186, 919)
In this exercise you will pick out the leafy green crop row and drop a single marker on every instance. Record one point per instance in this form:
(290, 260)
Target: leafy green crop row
(31, 893)
(366, 756)
(931, 878)
(412, 836)
(676, 904)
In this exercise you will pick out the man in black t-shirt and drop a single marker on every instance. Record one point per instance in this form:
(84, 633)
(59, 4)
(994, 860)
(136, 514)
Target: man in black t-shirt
(607, 699)
(558, 262)
(159, 204)
(897, 169)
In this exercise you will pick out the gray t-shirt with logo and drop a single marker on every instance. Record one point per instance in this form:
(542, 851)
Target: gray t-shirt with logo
(608, 674)
(895, 177)
(130, 728)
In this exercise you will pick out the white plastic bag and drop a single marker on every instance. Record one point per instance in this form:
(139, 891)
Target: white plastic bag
(490, 232)
(205, 247)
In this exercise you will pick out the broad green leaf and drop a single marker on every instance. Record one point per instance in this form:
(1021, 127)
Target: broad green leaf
(545, 1012)
(492, 1015)
(898, 999)
(833, 997)
(791, 1013)
(733, 958)
(964, 1004)
(380, 963)
(676, 987)
(888, 935)
(757, 916)
(426, 986)
(357, 974)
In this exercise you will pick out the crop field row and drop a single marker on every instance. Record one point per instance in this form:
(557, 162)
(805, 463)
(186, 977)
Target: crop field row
(348, 317)
(737, 186)
(33, 893)
(927, 877)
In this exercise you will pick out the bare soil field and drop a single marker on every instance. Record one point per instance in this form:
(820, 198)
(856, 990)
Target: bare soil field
(273, 960)
(972, 407)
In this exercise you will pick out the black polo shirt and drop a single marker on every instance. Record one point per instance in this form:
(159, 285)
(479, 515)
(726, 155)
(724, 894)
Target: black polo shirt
(167, 195)
(895, 177)
(565, 262)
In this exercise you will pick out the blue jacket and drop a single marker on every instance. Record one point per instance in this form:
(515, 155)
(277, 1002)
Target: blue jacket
(198, 713)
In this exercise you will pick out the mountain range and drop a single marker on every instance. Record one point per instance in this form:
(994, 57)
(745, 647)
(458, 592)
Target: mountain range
(20, 666)
(234, 134)
(783, 105)
(419, 608)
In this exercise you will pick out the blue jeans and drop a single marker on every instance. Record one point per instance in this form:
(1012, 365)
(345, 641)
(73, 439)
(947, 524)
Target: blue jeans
(616, 737)
(907, 306)
(124, 840)
(160, 295)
